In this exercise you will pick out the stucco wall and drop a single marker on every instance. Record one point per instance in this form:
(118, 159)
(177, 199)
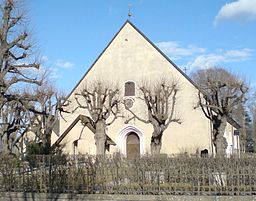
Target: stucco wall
(85, 141)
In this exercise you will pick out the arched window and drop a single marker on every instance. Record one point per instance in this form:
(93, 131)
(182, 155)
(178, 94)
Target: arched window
(129, 88)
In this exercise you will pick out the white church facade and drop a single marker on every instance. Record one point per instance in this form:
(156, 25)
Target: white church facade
(128, 59)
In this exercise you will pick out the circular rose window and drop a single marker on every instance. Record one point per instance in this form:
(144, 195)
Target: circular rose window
(128, 102)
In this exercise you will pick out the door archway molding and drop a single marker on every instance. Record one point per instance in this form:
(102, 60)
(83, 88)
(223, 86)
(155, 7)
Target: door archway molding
(122, 136)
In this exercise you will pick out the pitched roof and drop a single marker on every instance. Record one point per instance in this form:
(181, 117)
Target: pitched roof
(230, 120)
(87, 122)
(128, 22)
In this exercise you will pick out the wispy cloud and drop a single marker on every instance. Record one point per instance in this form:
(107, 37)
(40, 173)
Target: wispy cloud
(54, 74)
(175, 51)
(241, 10)
(44, 59)
(238, 55)
(54, 69)
(50, 73)
(215, 59)
(194, 57)
(64, 64)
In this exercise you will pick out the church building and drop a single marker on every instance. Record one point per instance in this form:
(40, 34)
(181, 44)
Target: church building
(128, 59)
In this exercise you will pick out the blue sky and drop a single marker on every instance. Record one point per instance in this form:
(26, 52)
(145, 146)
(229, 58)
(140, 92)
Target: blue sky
(194, 34)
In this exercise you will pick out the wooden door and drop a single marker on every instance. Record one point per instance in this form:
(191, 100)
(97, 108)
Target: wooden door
(133, 145)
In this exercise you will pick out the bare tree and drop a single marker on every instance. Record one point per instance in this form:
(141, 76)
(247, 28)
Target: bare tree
(45, 114)
(160, 100)
(15, 62)
(219, 93)
(101, 100)
(14, 121)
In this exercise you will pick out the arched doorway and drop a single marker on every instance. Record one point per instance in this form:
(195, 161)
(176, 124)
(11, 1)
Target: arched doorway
(132, 145)
(122, 139)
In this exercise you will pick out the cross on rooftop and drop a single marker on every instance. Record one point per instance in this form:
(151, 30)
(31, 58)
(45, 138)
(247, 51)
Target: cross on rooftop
(129, 11)
(185, 69)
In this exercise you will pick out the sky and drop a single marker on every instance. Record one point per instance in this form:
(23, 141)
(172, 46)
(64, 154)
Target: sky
(194, 34)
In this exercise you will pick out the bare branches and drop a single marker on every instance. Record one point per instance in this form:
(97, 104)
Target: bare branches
(45, 114)
(14, 119)
(160, 100)
(171, 116)
(17, 42)
(16, 105)
(207, 112)
(134, 116)
(221, 90)
(219, 93)
(101, 101)
(14, 42)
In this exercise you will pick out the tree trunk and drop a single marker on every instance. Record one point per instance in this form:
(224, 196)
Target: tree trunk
(6, 146)
(156, 140)
(46, 140)
(219, 141)
(100, 137)
(155, 145)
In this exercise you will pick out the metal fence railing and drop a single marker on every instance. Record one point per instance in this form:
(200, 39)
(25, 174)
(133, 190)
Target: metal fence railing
(147, 175)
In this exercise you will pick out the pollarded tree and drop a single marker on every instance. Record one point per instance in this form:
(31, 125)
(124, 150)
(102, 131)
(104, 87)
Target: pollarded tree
(219, 93)
(15, 61)
(101, 101)
(160, 102)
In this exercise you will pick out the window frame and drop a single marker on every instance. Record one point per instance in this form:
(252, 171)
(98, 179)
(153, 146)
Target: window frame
(125, 84)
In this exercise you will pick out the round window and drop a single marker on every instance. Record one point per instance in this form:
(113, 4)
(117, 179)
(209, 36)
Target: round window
(128, 102)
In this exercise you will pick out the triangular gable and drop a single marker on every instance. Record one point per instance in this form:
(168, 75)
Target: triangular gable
(231, 121)
(150, 42)
(87, 122)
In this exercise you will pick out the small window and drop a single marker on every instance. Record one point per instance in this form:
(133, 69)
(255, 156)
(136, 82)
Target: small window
(129, 89)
